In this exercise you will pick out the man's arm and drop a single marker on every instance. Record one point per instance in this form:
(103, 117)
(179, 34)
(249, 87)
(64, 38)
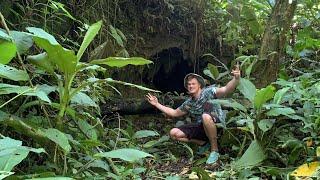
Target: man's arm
(231, 85)
(167, 110)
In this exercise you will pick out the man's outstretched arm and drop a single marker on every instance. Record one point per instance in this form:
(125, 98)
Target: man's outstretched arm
(231, 85)
(153, 100)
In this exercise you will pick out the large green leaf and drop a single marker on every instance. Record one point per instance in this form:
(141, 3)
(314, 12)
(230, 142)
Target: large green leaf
(23, 41)
(279, 95)
(64, 59)
(58, 137)
(91, 33)
(12, 153)
(247, 88)
(125, 154)
(12, 73)
(43, 35)
(88, 129)
(144, 133)
(23, 90)
(263, 95)
(7, 51)
(121, 61)
(83, 99)
(252, 157)
(281, 111)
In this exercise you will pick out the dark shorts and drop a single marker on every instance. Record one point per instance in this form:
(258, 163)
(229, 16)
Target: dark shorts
(196, 130)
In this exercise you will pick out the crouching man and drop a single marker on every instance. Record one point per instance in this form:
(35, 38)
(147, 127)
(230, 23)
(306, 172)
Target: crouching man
(205, 113)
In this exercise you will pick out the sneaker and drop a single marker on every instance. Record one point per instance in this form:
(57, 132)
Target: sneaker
(202, 149)
(213, 157)
(213, 162)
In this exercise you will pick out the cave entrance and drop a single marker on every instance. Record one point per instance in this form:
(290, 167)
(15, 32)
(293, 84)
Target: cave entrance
(170, 70)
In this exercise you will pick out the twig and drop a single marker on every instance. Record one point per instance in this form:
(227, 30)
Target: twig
(118, 135)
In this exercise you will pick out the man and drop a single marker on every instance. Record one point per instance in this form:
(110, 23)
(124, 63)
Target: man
(200, 106)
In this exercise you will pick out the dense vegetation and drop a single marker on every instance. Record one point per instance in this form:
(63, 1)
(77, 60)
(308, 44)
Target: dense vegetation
(56, 69)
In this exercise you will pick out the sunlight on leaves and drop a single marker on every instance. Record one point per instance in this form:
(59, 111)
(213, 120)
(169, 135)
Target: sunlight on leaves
(306, 170)
(121, 61)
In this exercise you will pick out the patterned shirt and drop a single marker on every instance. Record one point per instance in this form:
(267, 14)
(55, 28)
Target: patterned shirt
(204, 104)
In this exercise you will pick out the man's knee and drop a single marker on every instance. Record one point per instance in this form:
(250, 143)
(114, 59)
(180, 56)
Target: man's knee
(174, 133)
(206, 119)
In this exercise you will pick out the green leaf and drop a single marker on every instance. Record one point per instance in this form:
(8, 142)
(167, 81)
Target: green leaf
(4, 174)
(57, 6)
(83, 99)
(23, 90)
(52, 178)
(247, 88)
(279, 95)
(91, 33)
(263, 95)
(42, 62)
(144, 133)
(58, 137)
(22, 40)
(12, 73)
(116, 36)
(202, 173)
(88, 129)
(8, 161)
(42, 34)
(252, 157)
(281, 111)
(7, 51)
(229, 103)
(154, 143)
(12, 153)
(120, 33)
(64, 59)
(125, 154)
(121, 62)
(4, 35)
(211, 71)
(266, 124)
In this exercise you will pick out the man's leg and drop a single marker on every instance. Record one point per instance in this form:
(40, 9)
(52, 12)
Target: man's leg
(177, 134)
(211, 131)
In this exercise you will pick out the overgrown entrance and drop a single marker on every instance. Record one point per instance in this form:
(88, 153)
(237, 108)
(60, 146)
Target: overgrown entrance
(169, 70)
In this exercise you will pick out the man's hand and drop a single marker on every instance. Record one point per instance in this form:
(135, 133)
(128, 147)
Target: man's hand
(236, 72)
(153, 100)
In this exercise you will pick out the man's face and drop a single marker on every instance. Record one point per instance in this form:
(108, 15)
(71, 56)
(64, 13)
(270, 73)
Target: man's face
(193, 86)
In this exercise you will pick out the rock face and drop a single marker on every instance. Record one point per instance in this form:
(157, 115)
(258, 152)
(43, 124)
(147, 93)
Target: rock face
(171, 33)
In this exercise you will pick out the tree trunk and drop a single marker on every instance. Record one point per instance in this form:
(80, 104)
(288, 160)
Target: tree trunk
(273, 42)
(137, 106)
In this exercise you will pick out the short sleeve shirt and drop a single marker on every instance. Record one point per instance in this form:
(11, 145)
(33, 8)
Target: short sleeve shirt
(204, 104)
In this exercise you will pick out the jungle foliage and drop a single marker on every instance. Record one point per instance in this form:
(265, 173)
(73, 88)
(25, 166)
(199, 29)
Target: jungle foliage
(52, 85)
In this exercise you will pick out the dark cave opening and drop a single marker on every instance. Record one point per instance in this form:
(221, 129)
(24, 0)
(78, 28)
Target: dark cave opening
(170, 70)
